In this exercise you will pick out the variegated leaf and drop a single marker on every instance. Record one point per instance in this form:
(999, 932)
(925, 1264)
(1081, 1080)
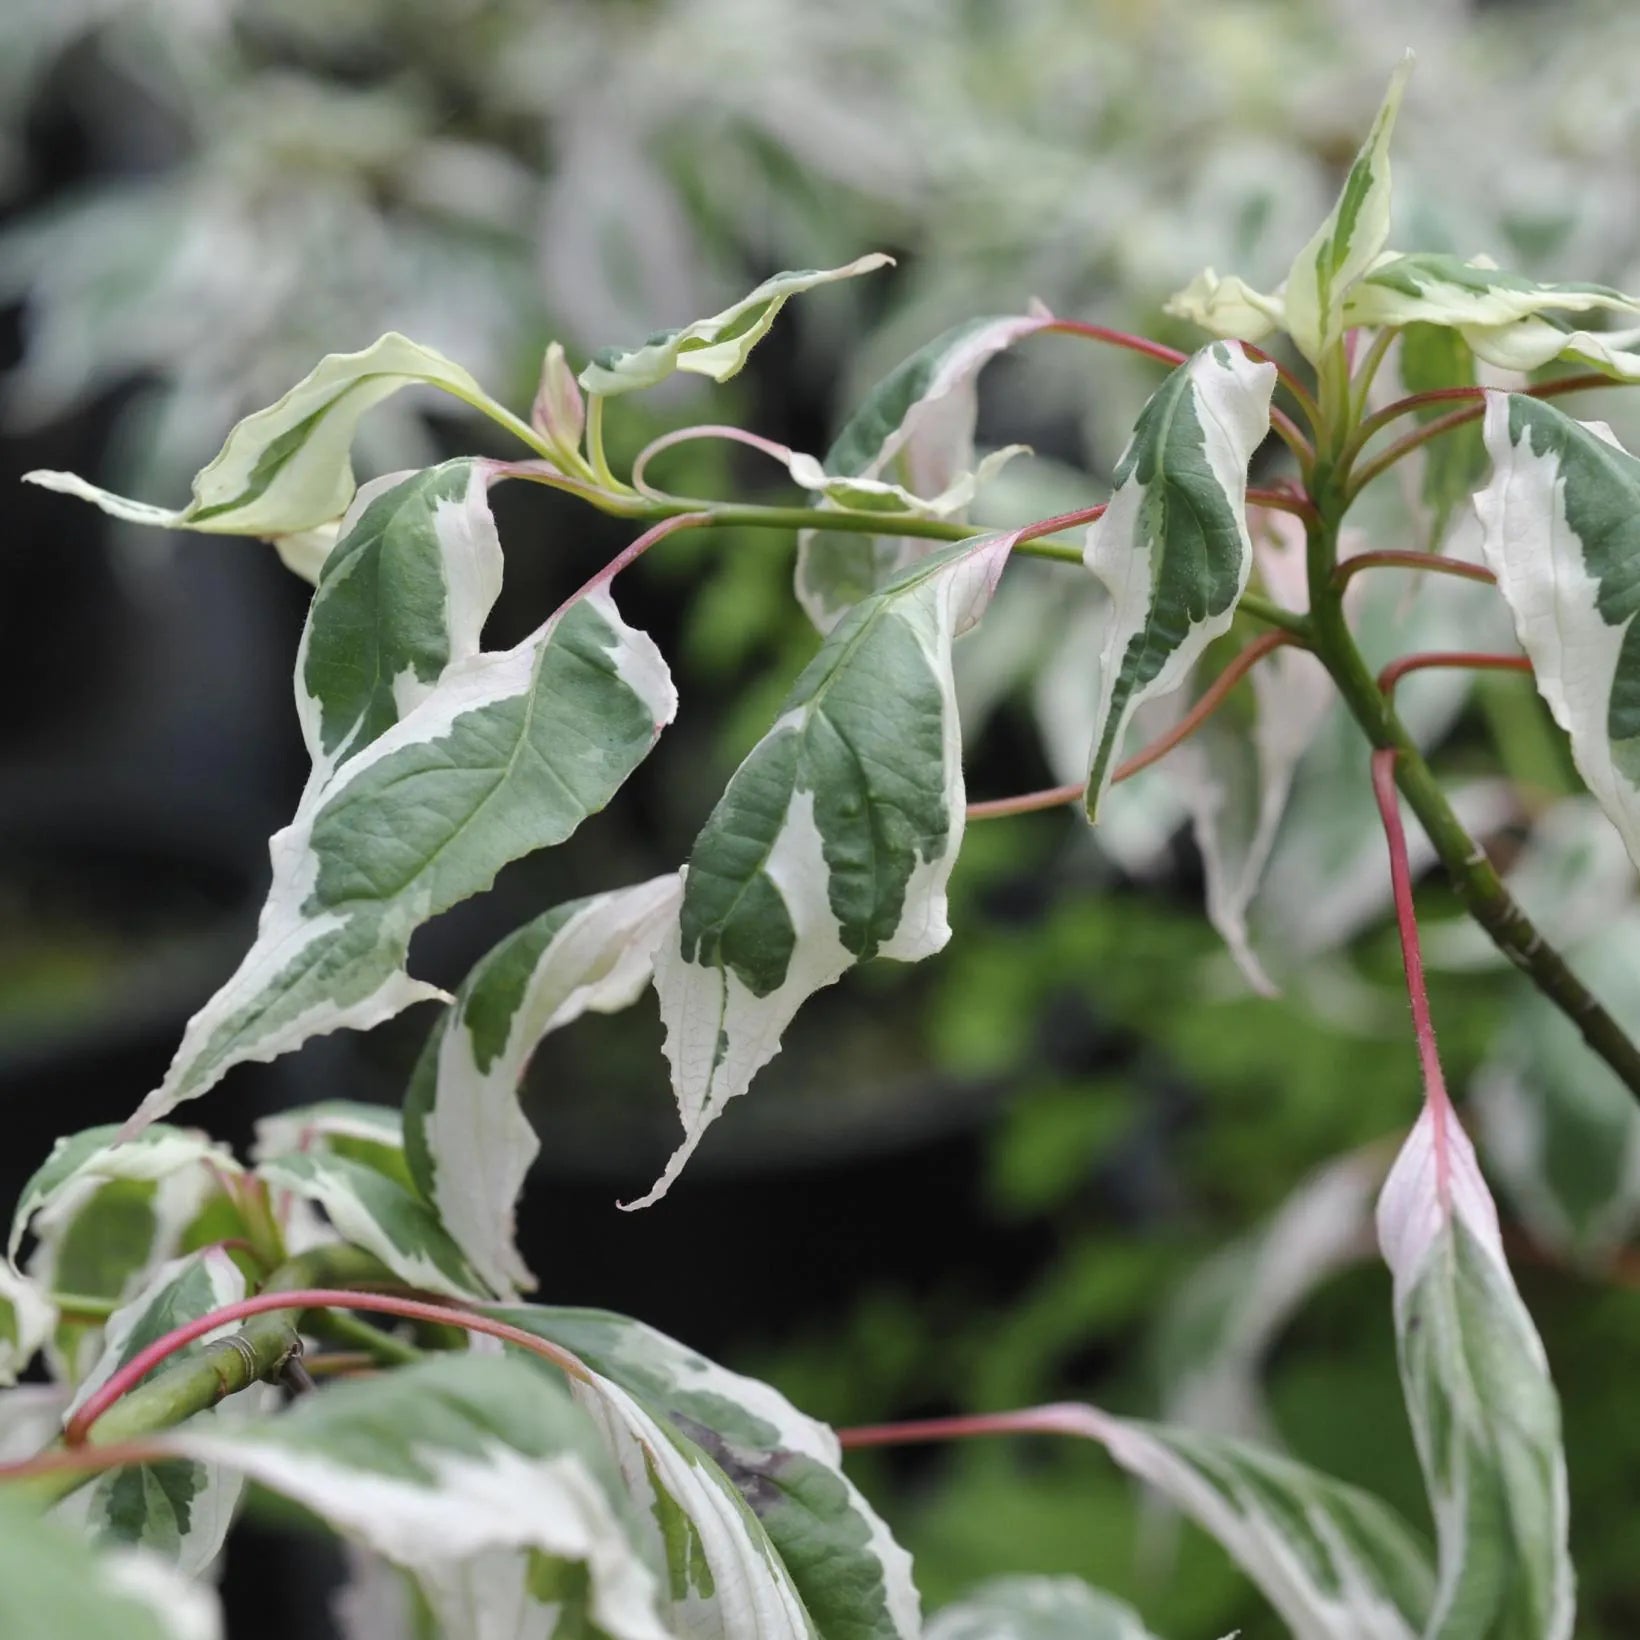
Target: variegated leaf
(1561, 520)
(1484, 1413)
(53, 1586)
(1332, 1560)
(369, 1134)
(1426, 287)
(1172, 548)
(469, 1144)
(31, 1418)
(27, 1320)
(558, 413)
(1432, 357)
(1532, 343)
(402, 598)
(834, 840)
(1037, 1608)
(1347, 244)
(507, 755)
(179, 1509)
(760, 1530)
(288, 468)
(1227, 307)
(913, 436)
(482, 1477)
(717, 347)
(371, 1210)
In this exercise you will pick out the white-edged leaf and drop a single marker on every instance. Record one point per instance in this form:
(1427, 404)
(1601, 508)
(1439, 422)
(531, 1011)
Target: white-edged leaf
(834, 840)
(1172, 548)
(509, 754)
(1561, 521)
(1037, 1608)
(179, 1509)
(1221, 1323)
(375, 1212)
(912, 440)
(1335, 1562)
(372, 1134)
(1484, 1413)
(1429, 288)
(402, 598)
(31, 1418)
(719, 346)
(288, 468)
(1227, 307)
(761, 1531)
(27, 1320)
(478, 1474)
(54, 1586)
(1532, 343)
(469, 1144)
(1347, 244)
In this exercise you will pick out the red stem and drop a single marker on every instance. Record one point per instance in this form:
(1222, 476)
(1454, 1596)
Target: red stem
(1406, 918)
(632, 553)
(115, 1455)
(307, 1298)
(1064, 1418)
(1411, 560)
(1398, 669)
(1211, 699)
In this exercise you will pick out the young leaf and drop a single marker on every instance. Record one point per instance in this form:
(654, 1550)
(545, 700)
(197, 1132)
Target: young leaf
(1332, 1560)
(179, 1509)
(1037, 1608)
(27, 1320)
(1347, 244)
(1172, 548)
(54, 1587)
(558, 414)
(690, 1431)
(1434, 357)
(717, 347)
(1561, 518)
(402, 598)
(1428, 288)
(1484, 1414)
(915, 431)
(834, 840)
(507, 755)
(478, 1474)
(1227, 307)
(468, 1143)
(369, 1134)
(288, 468)
(1532, 343)
(372, 1211)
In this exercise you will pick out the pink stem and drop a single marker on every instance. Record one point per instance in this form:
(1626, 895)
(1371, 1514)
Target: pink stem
(115, 1455)
(1436, 1099)
(1467, 658)
(1064, 1418)
(307, 1298)
(632, 553)
(683, 435)
(1432, 561)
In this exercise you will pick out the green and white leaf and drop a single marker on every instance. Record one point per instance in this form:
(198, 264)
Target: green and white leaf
(1561, 519)
(506, 756)
(1348, 243)
(371, 1134)
(469, 1144)
(1484, 1413)
(719, 346)
(1172, 548)
(402, 598)
(1430, 288)
(834, 840)
(54, 1586)
(1533, 343)
(27, 1320)
(1037, 1608)
(288, 468)
(478, 1474)
(775, 1540)
(558, 413)
(179, 1509)
(1333, 1561)
(909, 446)
(31, 1418)
(368, 1209)
(1431, 357)
(1227, 307)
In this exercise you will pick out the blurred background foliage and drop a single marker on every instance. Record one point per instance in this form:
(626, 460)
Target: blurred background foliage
(1036, 1167)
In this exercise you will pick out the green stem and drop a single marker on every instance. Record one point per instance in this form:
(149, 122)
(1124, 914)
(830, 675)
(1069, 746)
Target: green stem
(345, 1328)
(595, 444)
(1367, 370)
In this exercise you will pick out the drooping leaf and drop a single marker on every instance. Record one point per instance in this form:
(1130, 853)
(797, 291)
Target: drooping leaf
(370, 1210)
(717, 347)
(179, 1509)
(1037, 1608)
(479, 1475)
(1172, 548)
(1434, 357)
(1428, 288)
(834, 840)
(27, 1319)
(1533, 343)
(507, 755)
(701, 1429)
(1347, 244)
(1334, 1562)
(1484, 1413)
(402, 598)
(53, 1586)
(288, 468)
(1561, 520)
(913, 434)
(468, 1142)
